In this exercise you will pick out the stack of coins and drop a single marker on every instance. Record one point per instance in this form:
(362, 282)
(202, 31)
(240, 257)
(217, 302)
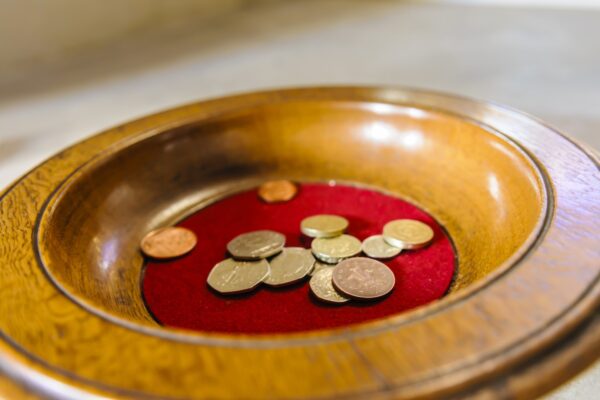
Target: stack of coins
(340, 276)
(337, 275)
(259, 257)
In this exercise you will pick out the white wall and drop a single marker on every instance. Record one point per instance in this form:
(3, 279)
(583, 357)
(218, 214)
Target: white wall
(41, 31)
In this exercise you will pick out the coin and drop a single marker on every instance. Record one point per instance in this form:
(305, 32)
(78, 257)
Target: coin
(168, 242)
(319, 265)
(323, 225)
(407, 234)
(232, 276)
(277, 191)
(256, 245)
(333, 250)
(376, 247)
(322, 287)
(363, 278)
(290, 266)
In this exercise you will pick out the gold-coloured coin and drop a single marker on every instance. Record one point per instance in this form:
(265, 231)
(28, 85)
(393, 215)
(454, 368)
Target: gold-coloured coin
(324, 225)
(168, 242)
(319, 265)
(376, 247)
(231, 276)
(256, 245)
(277, 191)
(333, 250)
(363, 278)
(322, 287)
(407, 234)
(291, 265)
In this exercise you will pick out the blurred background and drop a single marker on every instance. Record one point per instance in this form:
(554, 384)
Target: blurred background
(71, 68)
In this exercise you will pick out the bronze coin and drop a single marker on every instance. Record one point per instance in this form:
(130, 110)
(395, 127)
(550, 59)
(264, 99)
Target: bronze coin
(277, 191)
(363, 278)
(168, 242)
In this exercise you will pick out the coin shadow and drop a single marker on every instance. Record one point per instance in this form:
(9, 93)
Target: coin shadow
(233, 296)
(285, 288)
(360, 303)
(162, 261)
(357, 226)
(305, 241)
(322, 304)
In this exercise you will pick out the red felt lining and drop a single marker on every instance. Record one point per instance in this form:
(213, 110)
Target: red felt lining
(177, 294)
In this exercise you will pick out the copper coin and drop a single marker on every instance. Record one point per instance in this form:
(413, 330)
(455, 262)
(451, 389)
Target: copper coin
(363, 278)
(277, 191)
(168, 242)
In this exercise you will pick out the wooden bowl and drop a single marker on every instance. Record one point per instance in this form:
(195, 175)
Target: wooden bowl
(519, 201)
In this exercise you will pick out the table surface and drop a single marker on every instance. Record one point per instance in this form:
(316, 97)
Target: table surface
(542, 61)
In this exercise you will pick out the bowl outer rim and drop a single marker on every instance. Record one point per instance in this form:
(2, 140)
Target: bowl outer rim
(498, 113)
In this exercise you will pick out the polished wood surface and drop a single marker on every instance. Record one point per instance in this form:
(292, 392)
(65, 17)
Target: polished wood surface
(71, 307)
(9, 389)
(421, 156)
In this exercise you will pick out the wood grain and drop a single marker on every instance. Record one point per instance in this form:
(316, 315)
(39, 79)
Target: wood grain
(11, 390)
(425, 159)
(70, 303)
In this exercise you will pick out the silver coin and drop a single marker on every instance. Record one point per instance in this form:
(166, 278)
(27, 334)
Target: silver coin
(319, 265)
(333, 250)
(232, 276)
(291, 265)
(322, 287)
(256, 245)
(376, 247)
(323, 225)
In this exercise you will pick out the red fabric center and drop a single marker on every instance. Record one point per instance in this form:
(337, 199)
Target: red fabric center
(177, 294)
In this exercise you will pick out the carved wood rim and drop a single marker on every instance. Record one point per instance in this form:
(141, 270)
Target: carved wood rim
(573, 314)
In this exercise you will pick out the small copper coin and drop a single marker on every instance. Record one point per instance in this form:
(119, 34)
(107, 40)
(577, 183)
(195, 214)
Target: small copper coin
(407, 234)
(277, 191)
(168, 242)
(363, 278)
